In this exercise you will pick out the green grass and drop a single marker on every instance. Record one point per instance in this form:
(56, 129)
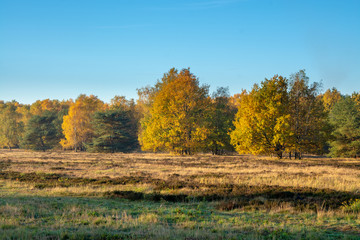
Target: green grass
(98, 218)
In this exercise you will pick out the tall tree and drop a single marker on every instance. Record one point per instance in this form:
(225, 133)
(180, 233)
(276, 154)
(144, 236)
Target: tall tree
(114, 131)
(41, 132)
(11, 126)
(262, 121)
(220, 120)
(176, 121)
(308, 120)
(345, 117)
(77, 127)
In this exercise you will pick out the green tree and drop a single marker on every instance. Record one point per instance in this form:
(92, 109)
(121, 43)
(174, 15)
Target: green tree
(220, 120)
(262, 121)
(345, 118)
(41, 132)
(11, 126)
(114, 131)
(308, 118)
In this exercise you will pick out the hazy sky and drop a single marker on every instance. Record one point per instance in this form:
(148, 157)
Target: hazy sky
(59, 49)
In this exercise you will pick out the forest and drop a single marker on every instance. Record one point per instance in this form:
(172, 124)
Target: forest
(278, 117)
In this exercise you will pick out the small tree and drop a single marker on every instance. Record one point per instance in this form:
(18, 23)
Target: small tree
(114, 131)
(41, 132)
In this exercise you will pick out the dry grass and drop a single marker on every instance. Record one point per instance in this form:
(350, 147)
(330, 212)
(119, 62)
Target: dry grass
(198, 196)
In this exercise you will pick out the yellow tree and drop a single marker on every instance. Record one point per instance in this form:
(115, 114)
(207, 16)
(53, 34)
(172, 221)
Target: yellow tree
(262, 121)
(77, 127)
(149, 128)
(329, 98)
(177, 117)
(40, 106)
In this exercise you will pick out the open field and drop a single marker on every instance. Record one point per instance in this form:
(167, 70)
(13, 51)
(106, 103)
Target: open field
(67, 195)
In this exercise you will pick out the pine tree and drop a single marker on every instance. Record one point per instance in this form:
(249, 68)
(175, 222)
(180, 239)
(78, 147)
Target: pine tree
(114, 131)
(345, 118)
(41, 132)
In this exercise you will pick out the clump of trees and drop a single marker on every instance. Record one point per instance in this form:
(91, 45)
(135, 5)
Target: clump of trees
(282, 115)
(179, 115)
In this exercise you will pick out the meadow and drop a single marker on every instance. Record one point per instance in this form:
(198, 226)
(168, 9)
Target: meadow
(79, 195)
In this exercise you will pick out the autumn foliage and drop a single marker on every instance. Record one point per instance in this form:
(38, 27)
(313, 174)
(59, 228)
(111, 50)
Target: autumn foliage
(176, 121)
(277, 117)
(77, 127)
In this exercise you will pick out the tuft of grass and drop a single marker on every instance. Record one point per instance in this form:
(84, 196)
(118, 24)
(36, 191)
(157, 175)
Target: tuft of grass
(352, 206)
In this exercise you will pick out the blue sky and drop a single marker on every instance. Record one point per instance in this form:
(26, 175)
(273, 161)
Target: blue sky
(59, 49)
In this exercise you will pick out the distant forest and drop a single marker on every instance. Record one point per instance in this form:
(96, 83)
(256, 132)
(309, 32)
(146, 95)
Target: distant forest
(177, 115)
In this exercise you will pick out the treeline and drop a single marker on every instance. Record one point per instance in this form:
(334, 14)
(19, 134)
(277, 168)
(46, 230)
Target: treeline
(178, 115)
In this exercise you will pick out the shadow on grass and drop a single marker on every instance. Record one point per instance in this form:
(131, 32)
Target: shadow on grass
(232, 195)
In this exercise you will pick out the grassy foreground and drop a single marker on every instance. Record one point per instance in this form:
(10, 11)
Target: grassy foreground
(66, 195)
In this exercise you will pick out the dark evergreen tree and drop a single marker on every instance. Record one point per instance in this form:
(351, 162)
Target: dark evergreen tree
(345, 118)
(41, 132)
(114, 132)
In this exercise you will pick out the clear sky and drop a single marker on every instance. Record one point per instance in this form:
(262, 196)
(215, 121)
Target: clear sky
(59, 49)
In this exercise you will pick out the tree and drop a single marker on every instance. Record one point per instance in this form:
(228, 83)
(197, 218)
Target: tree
(262, 121)
(40, 106)
(122, 104)
(345, 118)
(41, 133)
(330, 98)
(308, 118)
(356, 97)
(114, 131)
(11, 126)
(220, 120)
(77, 127)
(176, 119)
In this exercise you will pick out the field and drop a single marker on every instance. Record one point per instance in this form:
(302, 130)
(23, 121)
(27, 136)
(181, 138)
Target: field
(68, 195)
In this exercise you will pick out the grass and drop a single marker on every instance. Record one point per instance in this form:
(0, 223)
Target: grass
(66, 195)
